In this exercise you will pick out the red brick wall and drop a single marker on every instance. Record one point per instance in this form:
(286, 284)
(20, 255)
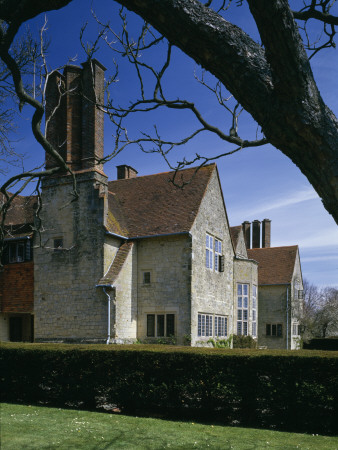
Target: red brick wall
(17, 288)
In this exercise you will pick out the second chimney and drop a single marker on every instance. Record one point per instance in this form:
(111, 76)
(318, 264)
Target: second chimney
(124, 172)
(266, 233)
(256, 234)
(247, 235)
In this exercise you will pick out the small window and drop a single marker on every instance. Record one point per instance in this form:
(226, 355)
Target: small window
(16, 252)
(146, 278)
(58, 244)
(151, 325)
(160, 325)
(295, 329)
(274, 329)
(300, 295)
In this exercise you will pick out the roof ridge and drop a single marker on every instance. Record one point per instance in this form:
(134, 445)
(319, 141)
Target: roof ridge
(163, 173)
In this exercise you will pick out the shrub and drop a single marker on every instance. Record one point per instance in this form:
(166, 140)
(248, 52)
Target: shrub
(294, 391)
(241, 341)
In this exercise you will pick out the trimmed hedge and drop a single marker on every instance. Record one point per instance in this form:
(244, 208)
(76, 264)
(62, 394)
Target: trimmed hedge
(294, 391)
(322, 344)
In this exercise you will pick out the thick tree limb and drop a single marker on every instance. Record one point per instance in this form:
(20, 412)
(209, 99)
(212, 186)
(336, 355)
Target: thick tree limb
(293, 118)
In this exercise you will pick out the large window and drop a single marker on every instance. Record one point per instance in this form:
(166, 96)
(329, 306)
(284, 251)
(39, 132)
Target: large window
(213, 254)
(254, 311)
(160, 325)
(210, 325)
(242, 308)
(274, 329)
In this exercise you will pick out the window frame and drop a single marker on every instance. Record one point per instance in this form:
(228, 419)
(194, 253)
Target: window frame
(160, 321)
(274, 329)
(243, 311)
(207, 328)
(17, 251)
(254, 311)
(213, 253)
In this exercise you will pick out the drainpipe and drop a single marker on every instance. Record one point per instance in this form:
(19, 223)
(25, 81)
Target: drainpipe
(287, 317)
(109, 303)
(108, 296)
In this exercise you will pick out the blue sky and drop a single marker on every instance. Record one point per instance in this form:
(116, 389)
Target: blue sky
(257, 183)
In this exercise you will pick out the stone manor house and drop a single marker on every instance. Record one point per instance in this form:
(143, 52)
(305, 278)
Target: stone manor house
(137, 258)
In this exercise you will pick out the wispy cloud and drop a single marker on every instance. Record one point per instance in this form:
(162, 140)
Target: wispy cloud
(292, 198)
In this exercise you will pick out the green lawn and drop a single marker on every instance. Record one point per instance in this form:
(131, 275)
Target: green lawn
(32, 427)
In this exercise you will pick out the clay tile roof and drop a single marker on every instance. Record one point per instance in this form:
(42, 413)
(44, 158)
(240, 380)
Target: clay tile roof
(275, 264)
(235, 232)
(20, 215)
(152, 205)
(117, 264)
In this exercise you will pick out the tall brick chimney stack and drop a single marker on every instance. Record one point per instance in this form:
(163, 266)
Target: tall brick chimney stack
(246, 226)
(256, 234)
(92, 115)
(266, 233)
(75, 123)
(124, 172)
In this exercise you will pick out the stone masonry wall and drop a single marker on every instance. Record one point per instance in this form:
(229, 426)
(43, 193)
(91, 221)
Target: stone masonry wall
(211, 292)
(68, 306)
(126, 300)
(168, 259)
(272, 309)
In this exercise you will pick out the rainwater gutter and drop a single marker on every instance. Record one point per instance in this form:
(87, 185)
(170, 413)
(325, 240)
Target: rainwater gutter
(181, 233)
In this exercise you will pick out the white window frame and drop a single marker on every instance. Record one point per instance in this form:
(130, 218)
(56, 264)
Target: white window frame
(220, 326)
(218, 253)
(204, 325)
(213, 251)
(295, 329)
(254, 311)
(243, 309)
(209, 254)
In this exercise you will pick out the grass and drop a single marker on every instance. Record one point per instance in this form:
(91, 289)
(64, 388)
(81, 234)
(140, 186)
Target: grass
(32, 427)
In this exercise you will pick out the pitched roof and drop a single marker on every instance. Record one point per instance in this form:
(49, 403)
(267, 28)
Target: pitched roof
(20, 216)
(116, 265)
(275, 264)
(21, 210)
(235, 232)
(152, 205)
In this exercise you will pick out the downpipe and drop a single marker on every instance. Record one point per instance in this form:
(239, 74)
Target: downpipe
(109, 301)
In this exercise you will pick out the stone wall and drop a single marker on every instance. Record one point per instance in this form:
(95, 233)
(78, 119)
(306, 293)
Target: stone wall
(68, 306)
(211, 292)
(272, 309)
(125, 329)
(168, 259)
